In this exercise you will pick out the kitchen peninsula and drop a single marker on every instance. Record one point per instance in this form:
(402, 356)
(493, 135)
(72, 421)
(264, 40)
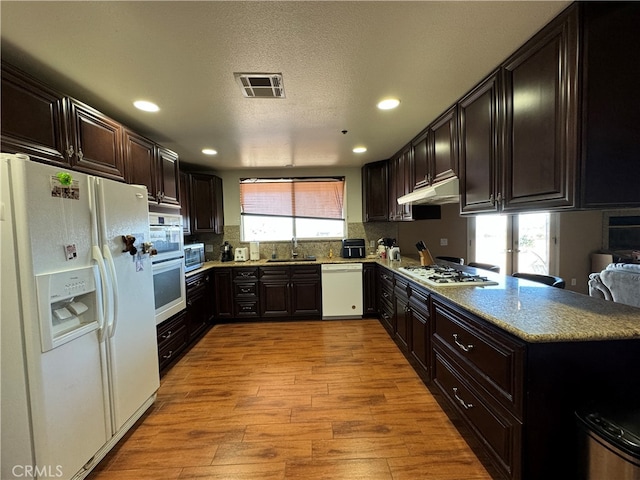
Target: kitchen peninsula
(514, 360)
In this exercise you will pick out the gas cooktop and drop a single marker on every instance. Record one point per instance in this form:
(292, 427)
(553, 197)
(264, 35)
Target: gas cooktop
(443, 276)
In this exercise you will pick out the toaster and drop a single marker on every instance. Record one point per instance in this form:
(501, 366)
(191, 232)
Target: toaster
(353, 248)
(242, 254)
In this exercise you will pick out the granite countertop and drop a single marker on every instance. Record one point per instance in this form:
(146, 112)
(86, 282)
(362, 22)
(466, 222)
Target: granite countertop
(538, 313)
(531, 311)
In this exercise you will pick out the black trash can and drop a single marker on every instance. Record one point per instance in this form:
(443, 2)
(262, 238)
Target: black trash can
(609, 444)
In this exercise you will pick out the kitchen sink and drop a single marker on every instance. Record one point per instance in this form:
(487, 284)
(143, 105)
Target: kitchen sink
(299, 259)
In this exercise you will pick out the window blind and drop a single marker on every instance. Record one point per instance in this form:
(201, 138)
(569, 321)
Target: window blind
(301, 198)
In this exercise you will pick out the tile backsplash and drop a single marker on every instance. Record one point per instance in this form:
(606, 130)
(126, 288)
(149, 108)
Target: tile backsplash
(318, 248)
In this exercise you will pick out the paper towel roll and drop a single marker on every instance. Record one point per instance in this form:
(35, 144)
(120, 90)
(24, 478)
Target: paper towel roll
(599, 261)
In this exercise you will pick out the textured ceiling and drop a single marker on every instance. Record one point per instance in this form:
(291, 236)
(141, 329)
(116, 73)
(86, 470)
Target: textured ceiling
(338, 59)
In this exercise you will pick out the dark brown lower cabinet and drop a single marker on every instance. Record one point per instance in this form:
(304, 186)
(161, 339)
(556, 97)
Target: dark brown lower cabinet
(419, 323)
(385, 303)
(401, 308)
(369, 289)
(291, 291)
(223, 287)
(246, 297)
(199, 304)
(172, 339)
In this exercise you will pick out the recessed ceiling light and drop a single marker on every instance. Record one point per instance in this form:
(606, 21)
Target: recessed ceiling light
(359, 149)
(146, 106)
(388, 103)
(209, 151)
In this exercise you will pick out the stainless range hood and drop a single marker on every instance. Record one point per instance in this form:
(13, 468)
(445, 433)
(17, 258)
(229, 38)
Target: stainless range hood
(446, 191)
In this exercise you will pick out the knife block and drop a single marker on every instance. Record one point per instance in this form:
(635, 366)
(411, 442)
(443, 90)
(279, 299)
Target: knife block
(426, 258)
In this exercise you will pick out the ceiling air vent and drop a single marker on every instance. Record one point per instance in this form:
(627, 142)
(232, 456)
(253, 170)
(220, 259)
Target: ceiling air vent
(261, 85)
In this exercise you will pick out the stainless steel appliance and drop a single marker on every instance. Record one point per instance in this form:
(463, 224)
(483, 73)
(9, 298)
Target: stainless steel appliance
(341, 290)
(443, 276)
(79, 360)
(168, 265)
(193, 256)
(353, 248)
(610, 444)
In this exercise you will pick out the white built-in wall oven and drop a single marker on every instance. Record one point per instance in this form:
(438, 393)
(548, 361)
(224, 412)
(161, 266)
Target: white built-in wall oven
(168, 265)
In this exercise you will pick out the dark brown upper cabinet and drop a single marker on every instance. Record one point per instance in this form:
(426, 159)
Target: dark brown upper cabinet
(541, 119)
(401, 182)
(185, 202)
(479, 146)
(155, 167)
(205, 204)
(435, 150)
(96, 142)
(610, 114)
(167, 177)
(141, 162)
(375, 191)
(33, 118)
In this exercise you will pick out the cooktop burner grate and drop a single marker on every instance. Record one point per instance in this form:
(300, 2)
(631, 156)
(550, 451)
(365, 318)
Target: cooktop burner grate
(441, 275)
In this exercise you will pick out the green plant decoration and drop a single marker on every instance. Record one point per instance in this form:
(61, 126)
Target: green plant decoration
(65, 178)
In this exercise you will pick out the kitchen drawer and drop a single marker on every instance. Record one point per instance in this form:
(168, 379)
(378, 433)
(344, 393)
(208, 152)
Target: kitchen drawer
(494, 360)
(419, 299)
(280, 271)
(196, 282)
(170, 329)
(246, 308)
(245, 273)
(248, 289)
(385, 279)
(498, 431)
(306, 271)
(172, 339)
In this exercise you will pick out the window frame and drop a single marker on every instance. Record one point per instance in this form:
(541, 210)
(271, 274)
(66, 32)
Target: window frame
(294, 218)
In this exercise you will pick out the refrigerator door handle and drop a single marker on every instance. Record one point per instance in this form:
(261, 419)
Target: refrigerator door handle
(114, 291)
(106, 291)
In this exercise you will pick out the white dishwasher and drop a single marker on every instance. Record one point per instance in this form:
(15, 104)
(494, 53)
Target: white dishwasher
(341, 290)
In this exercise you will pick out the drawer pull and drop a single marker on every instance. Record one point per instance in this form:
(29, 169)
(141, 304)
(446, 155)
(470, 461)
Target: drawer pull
(466, 405)
(168, 355)
(464, 348)
(245, 290)
(167, 335)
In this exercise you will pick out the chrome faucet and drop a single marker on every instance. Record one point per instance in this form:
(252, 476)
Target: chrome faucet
(294, 246)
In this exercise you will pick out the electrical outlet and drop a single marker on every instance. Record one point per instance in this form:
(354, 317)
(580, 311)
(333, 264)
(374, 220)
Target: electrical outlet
(444, 242)
(573, 282)
(208, 248)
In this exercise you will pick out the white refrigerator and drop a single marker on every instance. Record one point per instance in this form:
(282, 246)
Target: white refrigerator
(78, 346)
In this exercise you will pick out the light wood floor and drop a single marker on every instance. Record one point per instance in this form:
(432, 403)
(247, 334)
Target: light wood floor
(298, 400)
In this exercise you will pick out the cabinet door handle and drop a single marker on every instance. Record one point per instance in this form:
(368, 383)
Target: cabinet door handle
(69, 152)
(167, 335)
(492, 200)
(466, 405)
(80, 155)
(464, 348)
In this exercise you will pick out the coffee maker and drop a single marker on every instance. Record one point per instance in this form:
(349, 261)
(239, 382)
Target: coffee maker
(227, 252)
